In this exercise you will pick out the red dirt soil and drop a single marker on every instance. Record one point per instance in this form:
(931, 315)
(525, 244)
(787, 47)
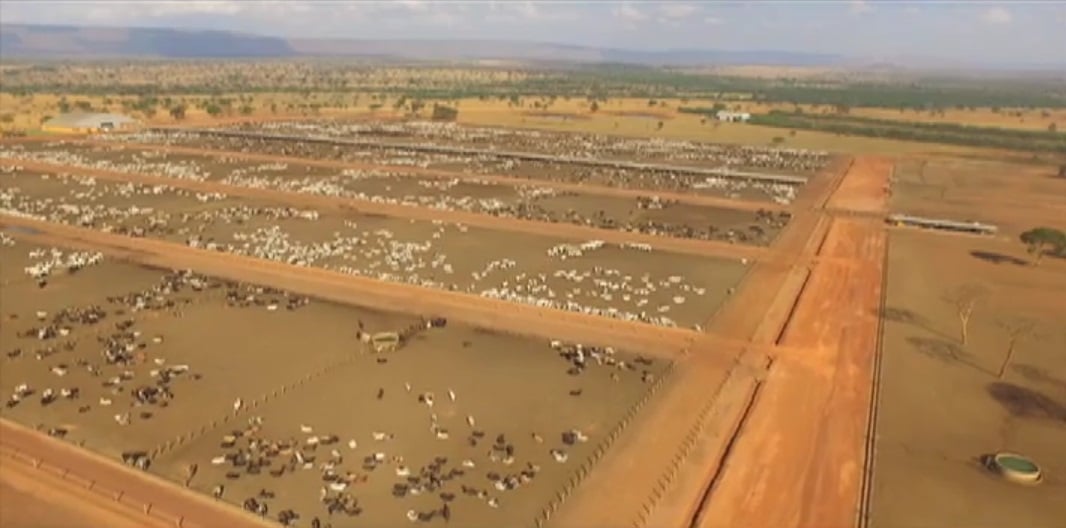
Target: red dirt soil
(798, 460)
(118, 494)
(866, 188)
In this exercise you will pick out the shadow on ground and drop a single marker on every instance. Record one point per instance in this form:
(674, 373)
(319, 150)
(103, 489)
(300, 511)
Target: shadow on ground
(1026, 403)
(998, 258)
(944, 350)
(905, 316)
(1038, 375)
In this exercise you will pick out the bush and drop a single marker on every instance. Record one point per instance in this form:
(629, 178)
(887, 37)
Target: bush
(444, 113)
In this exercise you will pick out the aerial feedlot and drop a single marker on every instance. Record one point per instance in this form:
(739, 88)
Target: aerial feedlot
(584, 146)
(629, 282)
(646, 214)
(735, 187)
(319, 422)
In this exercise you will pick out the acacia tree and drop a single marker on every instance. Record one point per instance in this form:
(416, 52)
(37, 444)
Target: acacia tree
(1017, 328)
(1042, 240)
(964, 299)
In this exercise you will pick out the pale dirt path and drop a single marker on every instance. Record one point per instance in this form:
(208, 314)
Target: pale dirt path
(109, 480)
(564, 231)
(799, 458)
(583, 188)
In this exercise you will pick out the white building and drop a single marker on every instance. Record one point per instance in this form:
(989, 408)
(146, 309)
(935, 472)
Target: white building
(732, 117)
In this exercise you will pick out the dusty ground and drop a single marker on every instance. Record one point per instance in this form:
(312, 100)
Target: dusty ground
(424, 253)
(1014, 196)
(526, 200)
(265, 350)
(942, 404)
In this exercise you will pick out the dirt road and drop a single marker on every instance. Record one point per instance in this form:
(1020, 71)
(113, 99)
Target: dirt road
(98, 491)
(799, 458)
(573, 232)
(637, 484)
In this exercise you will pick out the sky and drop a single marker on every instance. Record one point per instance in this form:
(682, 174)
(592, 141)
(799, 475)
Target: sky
(971, 31)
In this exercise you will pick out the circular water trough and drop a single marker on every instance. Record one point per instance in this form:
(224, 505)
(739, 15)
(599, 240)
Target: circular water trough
(1016, 468)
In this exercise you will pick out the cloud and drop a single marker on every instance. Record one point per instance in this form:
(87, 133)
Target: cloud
(912, 10)
(713, 21)
(630, 14)
(996, 15)
(413, 5)
(677, 10)
(860, 6)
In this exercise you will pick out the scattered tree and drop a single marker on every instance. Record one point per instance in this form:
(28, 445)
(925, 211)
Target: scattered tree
(594, 107)
(246, 109)
(1017, 328)
(965, 299)
(444, 113)
(1062, 171)
(1043, 240)
(1052, 128)
(178, 112)
(659, 126)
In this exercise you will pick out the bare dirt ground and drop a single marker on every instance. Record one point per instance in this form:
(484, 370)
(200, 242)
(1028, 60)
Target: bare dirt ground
(1014, 196)
(799, 457)
(812, 390)
(563, 231)
(360, 291)
(866, 190)
(945, 403)
(72, 484)
(291, 373)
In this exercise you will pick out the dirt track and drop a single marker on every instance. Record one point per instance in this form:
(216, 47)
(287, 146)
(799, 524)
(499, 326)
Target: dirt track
(81, 480)
(799, 457)
(531, 227)
(623, 488)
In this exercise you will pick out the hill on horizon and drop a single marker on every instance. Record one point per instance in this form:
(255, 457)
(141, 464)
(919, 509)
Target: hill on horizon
(56, 41)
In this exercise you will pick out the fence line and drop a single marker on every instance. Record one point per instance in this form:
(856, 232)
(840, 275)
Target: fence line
(585, 468)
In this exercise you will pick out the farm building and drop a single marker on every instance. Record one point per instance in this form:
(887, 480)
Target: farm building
(947, 225)
(732, 117)
(86, 122)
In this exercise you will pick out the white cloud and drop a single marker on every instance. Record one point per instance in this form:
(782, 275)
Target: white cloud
(528, 10)
(860, 6)
(912, 10)
(413, 5)
(630, 13)
(713, 21)
(213, 7)
(996, 15)
(678, 10)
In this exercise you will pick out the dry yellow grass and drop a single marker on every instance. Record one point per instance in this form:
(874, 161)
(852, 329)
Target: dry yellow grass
(617, 116)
